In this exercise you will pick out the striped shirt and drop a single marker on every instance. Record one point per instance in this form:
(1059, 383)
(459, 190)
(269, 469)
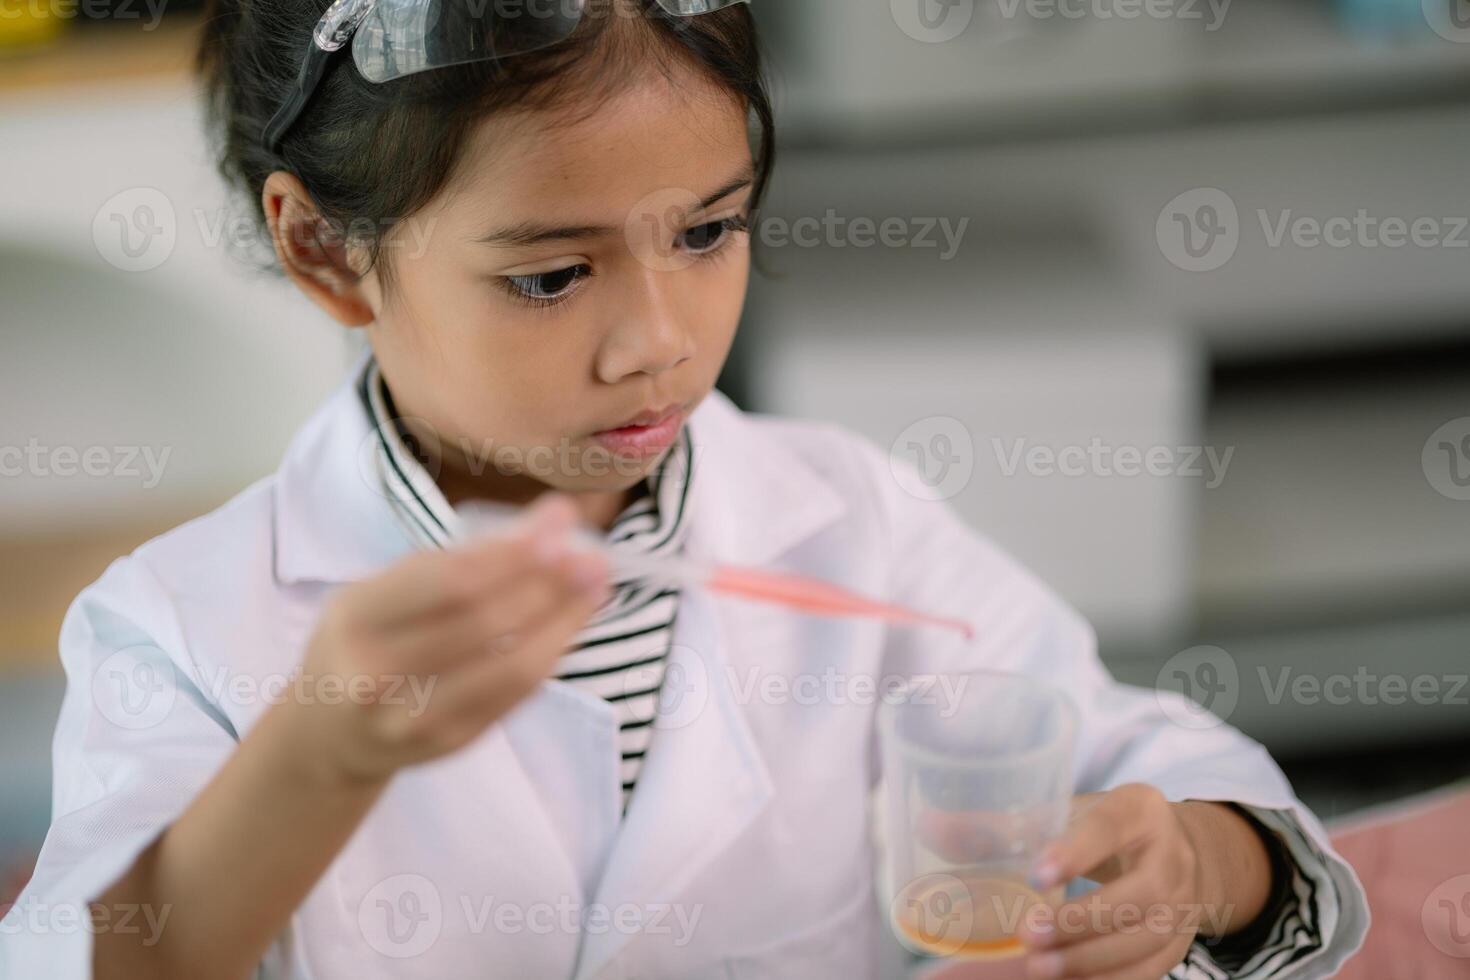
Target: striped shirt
(621, 653)
(1298, 920)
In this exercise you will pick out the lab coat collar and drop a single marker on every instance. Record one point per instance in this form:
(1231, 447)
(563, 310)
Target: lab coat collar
(331, 521)
(752, 499)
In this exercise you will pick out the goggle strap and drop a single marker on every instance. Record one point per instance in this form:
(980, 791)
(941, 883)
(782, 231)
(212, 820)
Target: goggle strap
(313, 67)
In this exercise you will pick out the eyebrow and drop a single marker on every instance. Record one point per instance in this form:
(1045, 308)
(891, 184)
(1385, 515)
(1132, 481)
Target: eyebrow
(529, 233)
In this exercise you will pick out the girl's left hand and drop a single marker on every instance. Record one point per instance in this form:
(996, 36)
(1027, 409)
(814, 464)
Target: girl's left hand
(1141, 922)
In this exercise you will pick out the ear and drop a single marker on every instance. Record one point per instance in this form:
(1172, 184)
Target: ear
(316, 258)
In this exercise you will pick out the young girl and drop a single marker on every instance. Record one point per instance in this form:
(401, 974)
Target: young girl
(324, 732)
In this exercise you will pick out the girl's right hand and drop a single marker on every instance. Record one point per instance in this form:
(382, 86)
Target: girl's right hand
(425, 656)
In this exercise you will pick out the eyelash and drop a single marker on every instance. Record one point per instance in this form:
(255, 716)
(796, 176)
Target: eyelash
(729, 227)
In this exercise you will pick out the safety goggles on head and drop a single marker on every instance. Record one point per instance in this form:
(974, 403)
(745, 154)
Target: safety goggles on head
(394, 38)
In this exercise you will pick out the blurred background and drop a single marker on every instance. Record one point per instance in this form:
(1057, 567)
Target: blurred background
(1170, 298)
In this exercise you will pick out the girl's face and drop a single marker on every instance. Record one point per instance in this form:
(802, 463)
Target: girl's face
(570, 279)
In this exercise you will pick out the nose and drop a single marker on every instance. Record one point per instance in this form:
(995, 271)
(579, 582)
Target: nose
(649, 333)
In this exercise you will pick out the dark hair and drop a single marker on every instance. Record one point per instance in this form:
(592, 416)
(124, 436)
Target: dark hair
(380, 152)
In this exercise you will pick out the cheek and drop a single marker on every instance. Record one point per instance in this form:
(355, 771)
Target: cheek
(433, 312)
(728, 298)
(468, 326)
(477, 363)
(522, 391)
(718, 300)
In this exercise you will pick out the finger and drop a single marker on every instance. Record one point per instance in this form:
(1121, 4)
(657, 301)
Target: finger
(483, 691)
(1119, 905)
(1097, 955)
(443, 643)
(1119, 821)
(427, 583)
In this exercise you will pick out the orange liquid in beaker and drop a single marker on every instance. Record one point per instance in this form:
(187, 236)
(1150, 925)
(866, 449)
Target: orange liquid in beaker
(967, 916)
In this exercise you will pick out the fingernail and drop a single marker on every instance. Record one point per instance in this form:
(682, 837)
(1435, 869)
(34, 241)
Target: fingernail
(1046, 966)
(1038, 935)
(1046, 874)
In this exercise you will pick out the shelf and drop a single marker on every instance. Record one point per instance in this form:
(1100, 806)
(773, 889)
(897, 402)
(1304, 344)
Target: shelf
(1327, 510)
(91, 54)
(39, 577)
(864, 84)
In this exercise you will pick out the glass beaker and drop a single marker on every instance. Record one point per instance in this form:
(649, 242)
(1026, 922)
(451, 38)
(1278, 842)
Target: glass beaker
(977, 780)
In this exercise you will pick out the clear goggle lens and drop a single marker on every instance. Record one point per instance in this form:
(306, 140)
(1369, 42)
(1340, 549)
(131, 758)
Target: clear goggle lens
(402, 37)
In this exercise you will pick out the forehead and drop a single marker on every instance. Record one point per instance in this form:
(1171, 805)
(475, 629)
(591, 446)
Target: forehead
(656, 133)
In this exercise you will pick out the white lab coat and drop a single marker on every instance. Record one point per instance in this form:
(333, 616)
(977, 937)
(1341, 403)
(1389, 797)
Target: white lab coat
(746, 851)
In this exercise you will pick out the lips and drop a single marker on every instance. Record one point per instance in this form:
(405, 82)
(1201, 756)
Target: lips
(645, 419)
(646, 434)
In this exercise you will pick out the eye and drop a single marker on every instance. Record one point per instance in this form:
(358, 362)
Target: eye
(546, 288)
(706, 238)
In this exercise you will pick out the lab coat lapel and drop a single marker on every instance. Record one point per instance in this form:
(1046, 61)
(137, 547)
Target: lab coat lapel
(702, 783)
(566, 742)
(705, 780)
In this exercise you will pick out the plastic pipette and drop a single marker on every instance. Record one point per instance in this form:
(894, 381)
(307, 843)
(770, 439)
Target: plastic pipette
(800, 592)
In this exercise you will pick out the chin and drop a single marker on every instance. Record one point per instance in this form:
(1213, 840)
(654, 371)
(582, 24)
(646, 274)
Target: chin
(607, 478)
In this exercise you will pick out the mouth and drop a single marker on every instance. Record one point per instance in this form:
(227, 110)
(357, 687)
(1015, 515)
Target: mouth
(645, 434)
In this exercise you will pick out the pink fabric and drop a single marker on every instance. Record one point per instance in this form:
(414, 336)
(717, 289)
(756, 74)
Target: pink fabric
(1414, 861)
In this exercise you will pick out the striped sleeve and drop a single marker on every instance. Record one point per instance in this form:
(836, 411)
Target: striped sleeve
(1296, 925)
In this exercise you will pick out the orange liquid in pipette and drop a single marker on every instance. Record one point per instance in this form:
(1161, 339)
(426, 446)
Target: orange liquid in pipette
(823, 598)
(973, 917)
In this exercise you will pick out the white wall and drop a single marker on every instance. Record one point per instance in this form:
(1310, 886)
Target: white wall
(199, 355)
